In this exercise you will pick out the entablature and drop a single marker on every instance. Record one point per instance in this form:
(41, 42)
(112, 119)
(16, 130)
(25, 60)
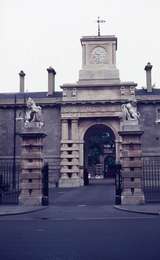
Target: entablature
(91, 115)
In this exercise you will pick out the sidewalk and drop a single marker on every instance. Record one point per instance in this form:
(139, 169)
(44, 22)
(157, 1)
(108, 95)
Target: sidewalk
(152, 209)
(17, 210)
(92, 199)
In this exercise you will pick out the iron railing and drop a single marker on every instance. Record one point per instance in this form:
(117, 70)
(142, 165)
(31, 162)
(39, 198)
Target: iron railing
(45, 188)
(9, 182)
(151, 179)
(118, 184)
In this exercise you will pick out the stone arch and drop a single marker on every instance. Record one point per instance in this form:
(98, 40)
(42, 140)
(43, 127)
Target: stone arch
(91, 124)
(99, 151)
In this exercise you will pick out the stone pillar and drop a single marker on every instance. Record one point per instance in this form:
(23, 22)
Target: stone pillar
(70, 172)
(64, 129)
(83, 55)
(74, 129)
(64, 154)
(76, 175)
(131, 162)
(51, 81)
(21, 83)
(31, 166)
(81, 160)
(117, 142)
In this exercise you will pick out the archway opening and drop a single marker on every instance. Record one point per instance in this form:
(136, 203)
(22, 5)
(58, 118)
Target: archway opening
(99, 153)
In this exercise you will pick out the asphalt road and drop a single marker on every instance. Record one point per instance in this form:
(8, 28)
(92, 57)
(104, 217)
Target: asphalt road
(100, 192)
(112, 238)
(80, 224)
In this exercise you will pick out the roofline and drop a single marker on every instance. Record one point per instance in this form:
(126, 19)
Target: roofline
(99, 38)
(78, 85)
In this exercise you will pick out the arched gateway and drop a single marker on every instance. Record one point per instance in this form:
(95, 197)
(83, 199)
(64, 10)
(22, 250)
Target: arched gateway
(99, 152)
(90, 109)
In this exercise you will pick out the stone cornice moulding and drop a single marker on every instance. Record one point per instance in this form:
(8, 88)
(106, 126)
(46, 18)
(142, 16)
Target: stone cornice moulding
(91, 85)
(77, 115)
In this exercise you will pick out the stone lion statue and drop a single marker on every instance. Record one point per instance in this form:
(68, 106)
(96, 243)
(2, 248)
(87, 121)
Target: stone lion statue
(33, 114)
(130, 111)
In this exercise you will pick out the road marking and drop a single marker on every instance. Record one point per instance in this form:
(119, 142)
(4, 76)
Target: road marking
(40, 230)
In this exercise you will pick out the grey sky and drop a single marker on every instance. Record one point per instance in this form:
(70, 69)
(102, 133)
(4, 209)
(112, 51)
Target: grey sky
(36, 34)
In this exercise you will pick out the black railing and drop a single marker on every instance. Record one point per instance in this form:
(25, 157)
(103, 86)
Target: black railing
(9, 182)
(118, 184)
(151, 179)
(45, 188)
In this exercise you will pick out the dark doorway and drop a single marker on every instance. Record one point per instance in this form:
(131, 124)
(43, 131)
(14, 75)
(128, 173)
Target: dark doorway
(99, 153)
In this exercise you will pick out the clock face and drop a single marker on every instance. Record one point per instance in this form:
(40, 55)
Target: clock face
(98, 56)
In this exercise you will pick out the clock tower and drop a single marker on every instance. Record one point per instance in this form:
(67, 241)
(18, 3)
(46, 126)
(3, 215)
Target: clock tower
(99, 60)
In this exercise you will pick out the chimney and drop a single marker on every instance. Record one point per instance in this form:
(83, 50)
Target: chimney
(21, 75)
(51, 80)
(148, 69)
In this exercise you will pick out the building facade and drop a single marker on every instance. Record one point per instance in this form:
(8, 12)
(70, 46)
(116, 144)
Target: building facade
(83, 121)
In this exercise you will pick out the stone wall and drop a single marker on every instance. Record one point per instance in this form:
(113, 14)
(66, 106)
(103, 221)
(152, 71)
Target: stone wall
(151, 136)
(51, 109)
(52, 141)
(6, 132)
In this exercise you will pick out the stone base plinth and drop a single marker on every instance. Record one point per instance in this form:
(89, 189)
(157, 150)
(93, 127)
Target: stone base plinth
(30, 200)
(70, 182)
(131, 125)
(135, 199)
(109, 73)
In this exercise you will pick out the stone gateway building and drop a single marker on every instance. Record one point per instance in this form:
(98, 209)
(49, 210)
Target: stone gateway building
(91, 124)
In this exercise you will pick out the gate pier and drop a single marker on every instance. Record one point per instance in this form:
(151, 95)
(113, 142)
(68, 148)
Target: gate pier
(31, 167)
(131, 161)
(32, 162)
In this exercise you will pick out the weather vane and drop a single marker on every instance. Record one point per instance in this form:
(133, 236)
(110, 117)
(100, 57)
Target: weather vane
(99, 22)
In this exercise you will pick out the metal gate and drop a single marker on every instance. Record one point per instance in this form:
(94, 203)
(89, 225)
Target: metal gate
(45, 188)
(151, 179)
(118, 183)
(9, 182)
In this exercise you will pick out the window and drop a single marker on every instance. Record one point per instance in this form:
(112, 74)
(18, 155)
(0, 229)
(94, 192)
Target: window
(158, 115)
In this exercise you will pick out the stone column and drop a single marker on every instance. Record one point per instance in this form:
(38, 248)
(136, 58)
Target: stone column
(74, 129)
(64, 154)
(31, 166)
(64, 129)
(83, 55)
(76, 178)
(81, 159)
(117, 142)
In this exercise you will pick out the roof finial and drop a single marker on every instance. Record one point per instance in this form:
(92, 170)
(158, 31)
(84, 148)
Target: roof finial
(99, 22)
